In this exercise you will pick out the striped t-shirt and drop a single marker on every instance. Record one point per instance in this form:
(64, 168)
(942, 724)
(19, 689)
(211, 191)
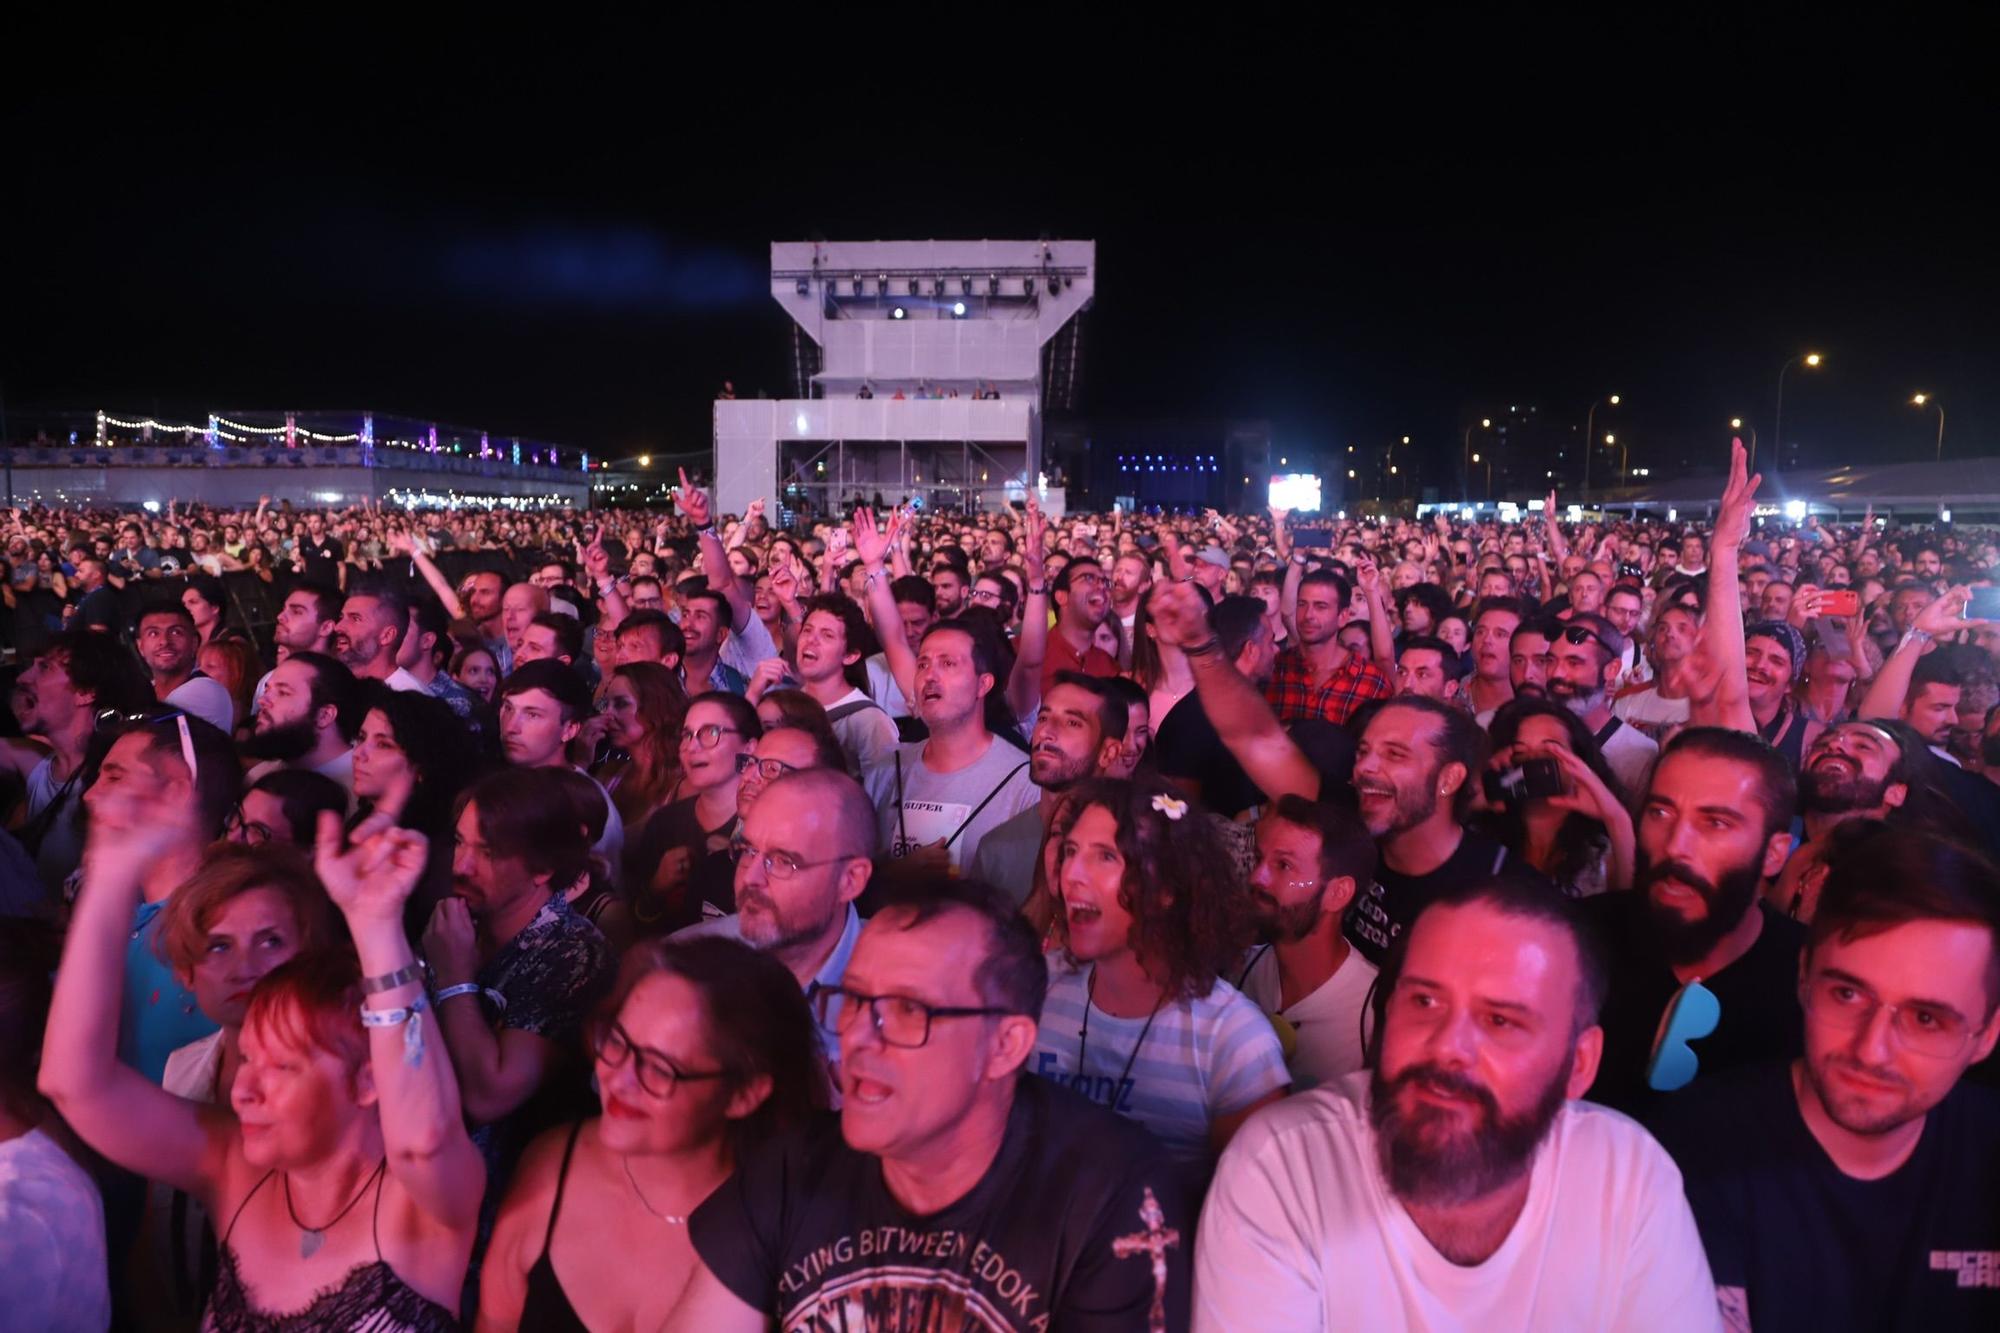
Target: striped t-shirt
(1202, 1060)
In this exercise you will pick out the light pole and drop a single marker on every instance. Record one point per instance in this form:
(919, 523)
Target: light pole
(1489, 478)
(1589, 433)
(1485, 423)
(1624, 474)
(1930, 400)
(1778, 422)
(1736, 423)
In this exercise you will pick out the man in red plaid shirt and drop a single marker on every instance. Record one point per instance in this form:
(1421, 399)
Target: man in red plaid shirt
(1317, 677)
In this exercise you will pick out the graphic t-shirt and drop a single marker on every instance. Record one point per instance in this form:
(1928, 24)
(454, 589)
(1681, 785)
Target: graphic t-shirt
(923, 806)
(1385, 909)
(1817, 1250)
(1075, 1227)
(1193, 1062)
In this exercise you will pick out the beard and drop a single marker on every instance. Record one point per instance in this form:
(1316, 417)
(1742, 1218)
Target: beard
(771, 930)
(1427, 1161)
(1727, 899)
(1570, 697)
(1824, 793)
(284, 742)
(1413, 807)
(1052, 770)
(1281, 923)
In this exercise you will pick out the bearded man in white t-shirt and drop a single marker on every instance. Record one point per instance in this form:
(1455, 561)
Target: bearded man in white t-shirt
(1461, 1184)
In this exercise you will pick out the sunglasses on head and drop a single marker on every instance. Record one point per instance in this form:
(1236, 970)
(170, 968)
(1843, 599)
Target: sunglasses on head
(113, 719)
(1582, 634)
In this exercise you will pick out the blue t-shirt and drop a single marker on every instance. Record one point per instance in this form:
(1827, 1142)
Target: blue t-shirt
(159, 1015)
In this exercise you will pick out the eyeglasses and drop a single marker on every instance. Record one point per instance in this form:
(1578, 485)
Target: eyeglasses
(898, 1019)
(254, 834)
(708, 737)
(768, 769)
(986, 597)
(656, 1073)
(779, 865)
(1922, 1029)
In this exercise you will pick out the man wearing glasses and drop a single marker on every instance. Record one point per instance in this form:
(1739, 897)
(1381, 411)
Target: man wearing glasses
(1083, 599)
(803, 855)
(1586, 659)
(1854, 1187)
(932, 1204)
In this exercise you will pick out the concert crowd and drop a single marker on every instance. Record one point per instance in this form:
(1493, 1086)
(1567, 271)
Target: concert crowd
(664, 919)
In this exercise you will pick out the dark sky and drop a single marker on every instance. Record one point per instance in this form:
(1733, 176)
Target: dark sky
(1368, 243)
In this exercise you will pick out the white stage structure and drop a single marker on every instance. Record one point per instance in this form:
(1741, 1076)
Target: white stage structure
(916, 318)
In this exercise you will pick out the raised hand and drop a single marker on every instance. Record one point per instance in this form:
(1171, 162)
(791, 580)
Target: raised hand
(770, 674)
(1739, 500)
(754, 512)
(1587, 794)
(451, 946)
(1947, 614)
(871, 543)
(594, 558)
(692, 503)
(372, 874)
(1179, 616)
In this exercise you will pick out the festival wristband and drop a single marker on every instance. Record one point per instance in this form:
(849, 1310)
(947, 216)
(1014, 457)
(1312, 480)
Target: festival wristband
(473, 988)
(402, 976)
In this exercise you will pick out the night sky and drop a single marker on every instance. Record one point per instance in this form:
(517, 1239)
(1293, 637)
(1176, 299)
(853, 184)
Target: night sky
(1351, 251)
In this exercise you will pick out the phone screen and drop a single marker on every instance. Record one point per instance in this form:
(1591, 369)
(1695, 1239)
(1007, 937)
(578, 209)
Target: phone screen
(1985, 604)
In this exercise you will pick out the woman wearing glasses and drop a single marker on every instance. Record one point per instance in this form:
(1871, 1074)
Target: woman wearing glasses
(678, 866)
(704, 1048)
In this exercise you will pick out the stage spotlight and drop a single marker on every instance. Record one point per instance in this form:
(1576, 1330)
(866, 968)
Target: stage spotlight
(805, 288)
(958, 310)
(899, 313)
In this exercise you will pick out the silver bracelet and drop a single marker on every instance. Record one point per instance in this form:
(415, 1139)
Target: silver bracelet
(389, 981)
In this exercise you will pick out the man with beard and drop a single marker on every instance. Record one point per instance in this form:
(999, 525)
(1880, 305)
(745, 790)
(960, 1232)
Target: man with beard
(1855, 770)
(1586, 654)
(1186, 745)
(1491, 683)
(370, 636)
(1078, 734)
(1319, 676)
(1461, 1184)
(1853, 1187)
(307, 720)
(1528, 659)
(1661, 703)
(168, 642)
(1414, 772)
(1715, 823)
(1311, 857)
(1131, 580)
(305, 623)
(803, 856)
(1082, 602)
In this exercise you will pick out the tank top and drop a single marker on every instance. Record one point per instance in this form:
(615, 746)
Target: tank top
(370, 1298)
(1787, 734)
(547, 1308)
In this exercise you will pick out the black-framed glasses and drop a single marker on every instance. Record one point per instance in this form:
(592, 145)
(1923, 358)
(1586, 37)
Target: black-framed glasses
(899, 1020)
(253, 833)
(657, 1074)
(779, 865)
(987, 596)
(768, 769)
(708, 737)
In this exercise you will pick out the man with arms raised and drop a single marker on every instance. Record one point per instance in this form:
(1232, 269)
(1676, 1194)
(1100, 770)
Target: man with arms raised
(1310, 859)
(1854, 1187)
(954, 1193)
(1461, 1184)
(1318, 677)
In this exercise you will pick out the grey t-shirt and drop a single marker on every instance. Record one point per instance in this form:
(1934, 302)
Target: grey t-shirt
(921, 807)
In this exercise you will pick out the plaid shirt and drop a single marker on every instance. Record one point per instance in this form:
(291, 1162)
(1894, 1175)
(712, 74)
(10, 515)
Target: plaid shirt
(1294, 694)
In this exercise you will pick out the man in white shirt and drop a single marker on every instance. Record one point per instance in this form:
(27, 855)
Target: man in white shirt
(1585, 660)
(1311, 856)
(370, 635)
(169, 642)
(831, 639)
(1461, 1185)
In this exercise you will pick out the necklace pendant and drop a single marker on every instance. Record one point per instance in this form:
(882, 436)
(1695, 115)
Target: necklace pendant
(309, 1242)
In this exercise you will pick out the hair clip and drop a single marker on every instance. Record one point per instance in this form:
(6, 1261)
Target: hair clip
(1170, 806)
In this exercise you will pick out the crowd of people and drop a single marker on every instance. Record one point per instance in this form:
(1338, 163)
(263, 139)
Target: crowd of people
(669, 920)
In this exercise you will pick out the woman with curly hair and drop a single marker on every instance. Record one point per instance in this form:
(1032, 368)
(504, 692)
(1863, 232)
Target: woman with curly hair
(640, 708)
(1582, 837)
(1138, 1018)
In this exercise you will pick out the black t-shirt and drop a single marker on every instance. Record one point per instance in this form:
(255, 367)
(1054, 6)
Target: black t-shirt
(98, 609)
(1758, 993)
(321, 559)
(1819, 1251)
(1185, 745)
(1386, 908)
(1059, 1234)
(664, 907)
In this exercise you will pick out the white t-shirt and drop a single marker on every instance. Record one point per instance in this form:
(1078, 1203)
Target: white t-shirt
(1630, 753)
(51, 1240)
(952, 805)
(401, 679)
(1301, 1233)
(206, 698)
(1328, 1021)
(882, 687)
(1200, 1060)
(1650, 711)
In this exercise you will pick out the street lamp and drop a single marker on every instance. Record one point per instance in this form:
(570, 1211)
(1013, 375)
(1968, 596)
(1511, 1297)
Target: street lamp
(1590, 430)
(1778, 422)
(1930, 400)
(1485, 423)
